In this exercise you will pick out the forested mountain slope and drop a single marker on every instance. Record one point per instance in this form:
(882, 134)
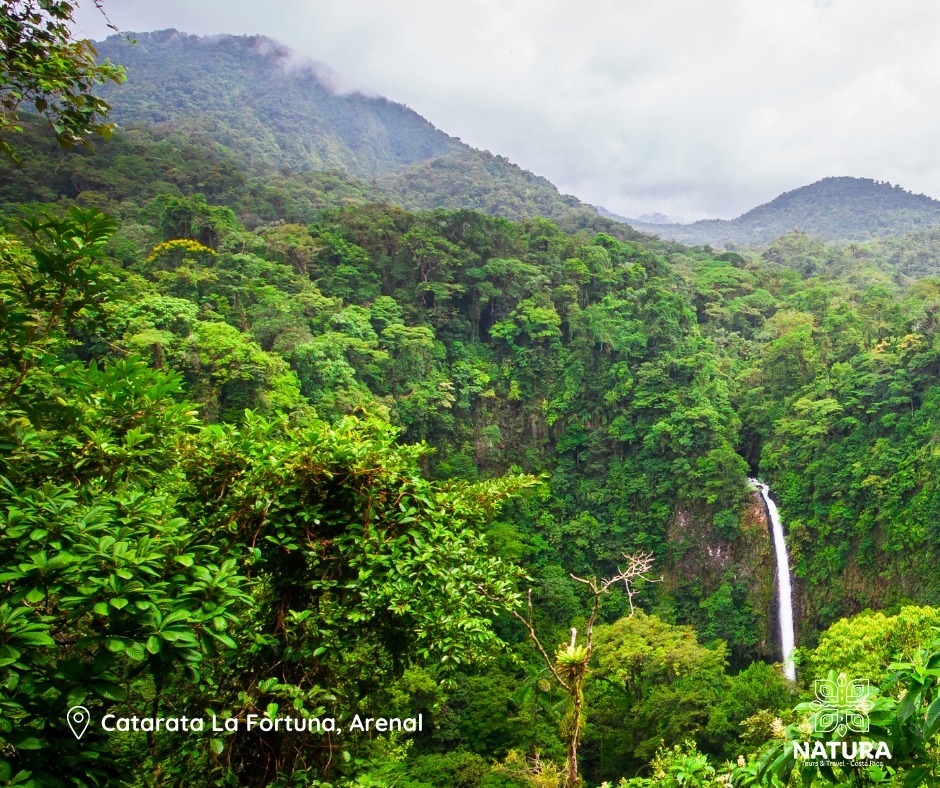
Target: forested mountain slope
(144, 162)
(270, 110)
(480, 181)
(835, 209)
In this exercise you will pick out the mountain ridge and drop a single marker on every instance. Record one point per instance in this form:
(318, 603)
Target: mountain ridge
(838, 209)
(274, 109)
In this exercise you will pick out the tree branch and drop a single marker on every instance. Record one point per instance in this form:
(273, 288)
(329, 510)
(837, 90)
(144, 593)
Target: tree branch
(527, 623)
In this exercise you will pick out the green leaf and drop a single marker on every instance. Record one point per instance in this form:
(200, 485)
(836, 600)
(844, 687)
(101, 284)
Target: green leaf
(36, 595)
(226, 640)
(108, 690)
(76, 696)
(906, 707)
(933, 719)
(916, 776)
(8, 655)
(114, 644)
(37, 639)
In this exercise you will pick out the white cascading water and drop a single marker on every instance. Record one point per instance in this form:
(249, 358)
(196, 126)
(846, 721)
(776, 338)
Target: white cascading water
(785, 594)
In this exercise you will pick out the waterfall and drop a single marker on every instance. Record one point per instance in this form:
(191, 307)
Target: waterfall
(784, 591)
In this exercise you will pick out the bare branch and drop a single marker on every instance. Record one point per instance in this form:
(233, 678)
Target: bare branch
(575, 665)
(638, 564)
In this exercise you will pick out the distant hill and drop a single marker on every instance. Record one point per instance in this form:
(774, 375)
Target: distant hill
(835, 209)
(483, 182)
(272, 110)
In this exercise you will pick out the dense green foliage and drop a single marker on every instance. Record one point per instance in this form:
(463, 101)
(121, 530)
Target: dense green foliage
(143, 163)
(270, 444)
(156, 562)
(137, 166)
(480, 181)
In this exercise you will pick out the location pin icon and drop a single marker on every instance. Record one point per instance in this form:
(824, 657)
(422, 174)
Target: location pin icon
(78, 718)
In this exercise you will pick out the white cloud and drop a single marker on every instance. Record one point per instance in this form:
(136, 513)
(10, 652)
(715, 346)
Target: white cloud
(680, 106)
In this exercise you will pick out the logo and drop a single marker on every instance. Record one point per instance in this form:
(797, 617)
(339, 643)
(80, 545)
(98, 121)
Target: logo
(841, 705)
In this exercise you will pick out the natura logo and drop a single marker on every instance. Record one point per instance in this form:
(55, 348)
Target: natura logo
(842, 705)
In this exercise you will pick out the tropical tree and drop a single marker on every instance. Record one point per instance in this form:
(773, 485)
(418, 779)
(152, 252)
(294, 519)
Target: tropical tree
(43, 65)
(569, 668)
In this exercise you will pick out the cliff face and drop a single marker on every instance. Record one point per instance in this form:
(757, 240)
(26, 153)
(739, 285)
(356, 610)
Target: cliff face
(730, 567)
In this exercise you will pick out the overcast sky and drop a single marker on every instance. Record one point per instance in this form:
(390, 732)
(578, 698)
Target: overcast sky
(691, 108)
